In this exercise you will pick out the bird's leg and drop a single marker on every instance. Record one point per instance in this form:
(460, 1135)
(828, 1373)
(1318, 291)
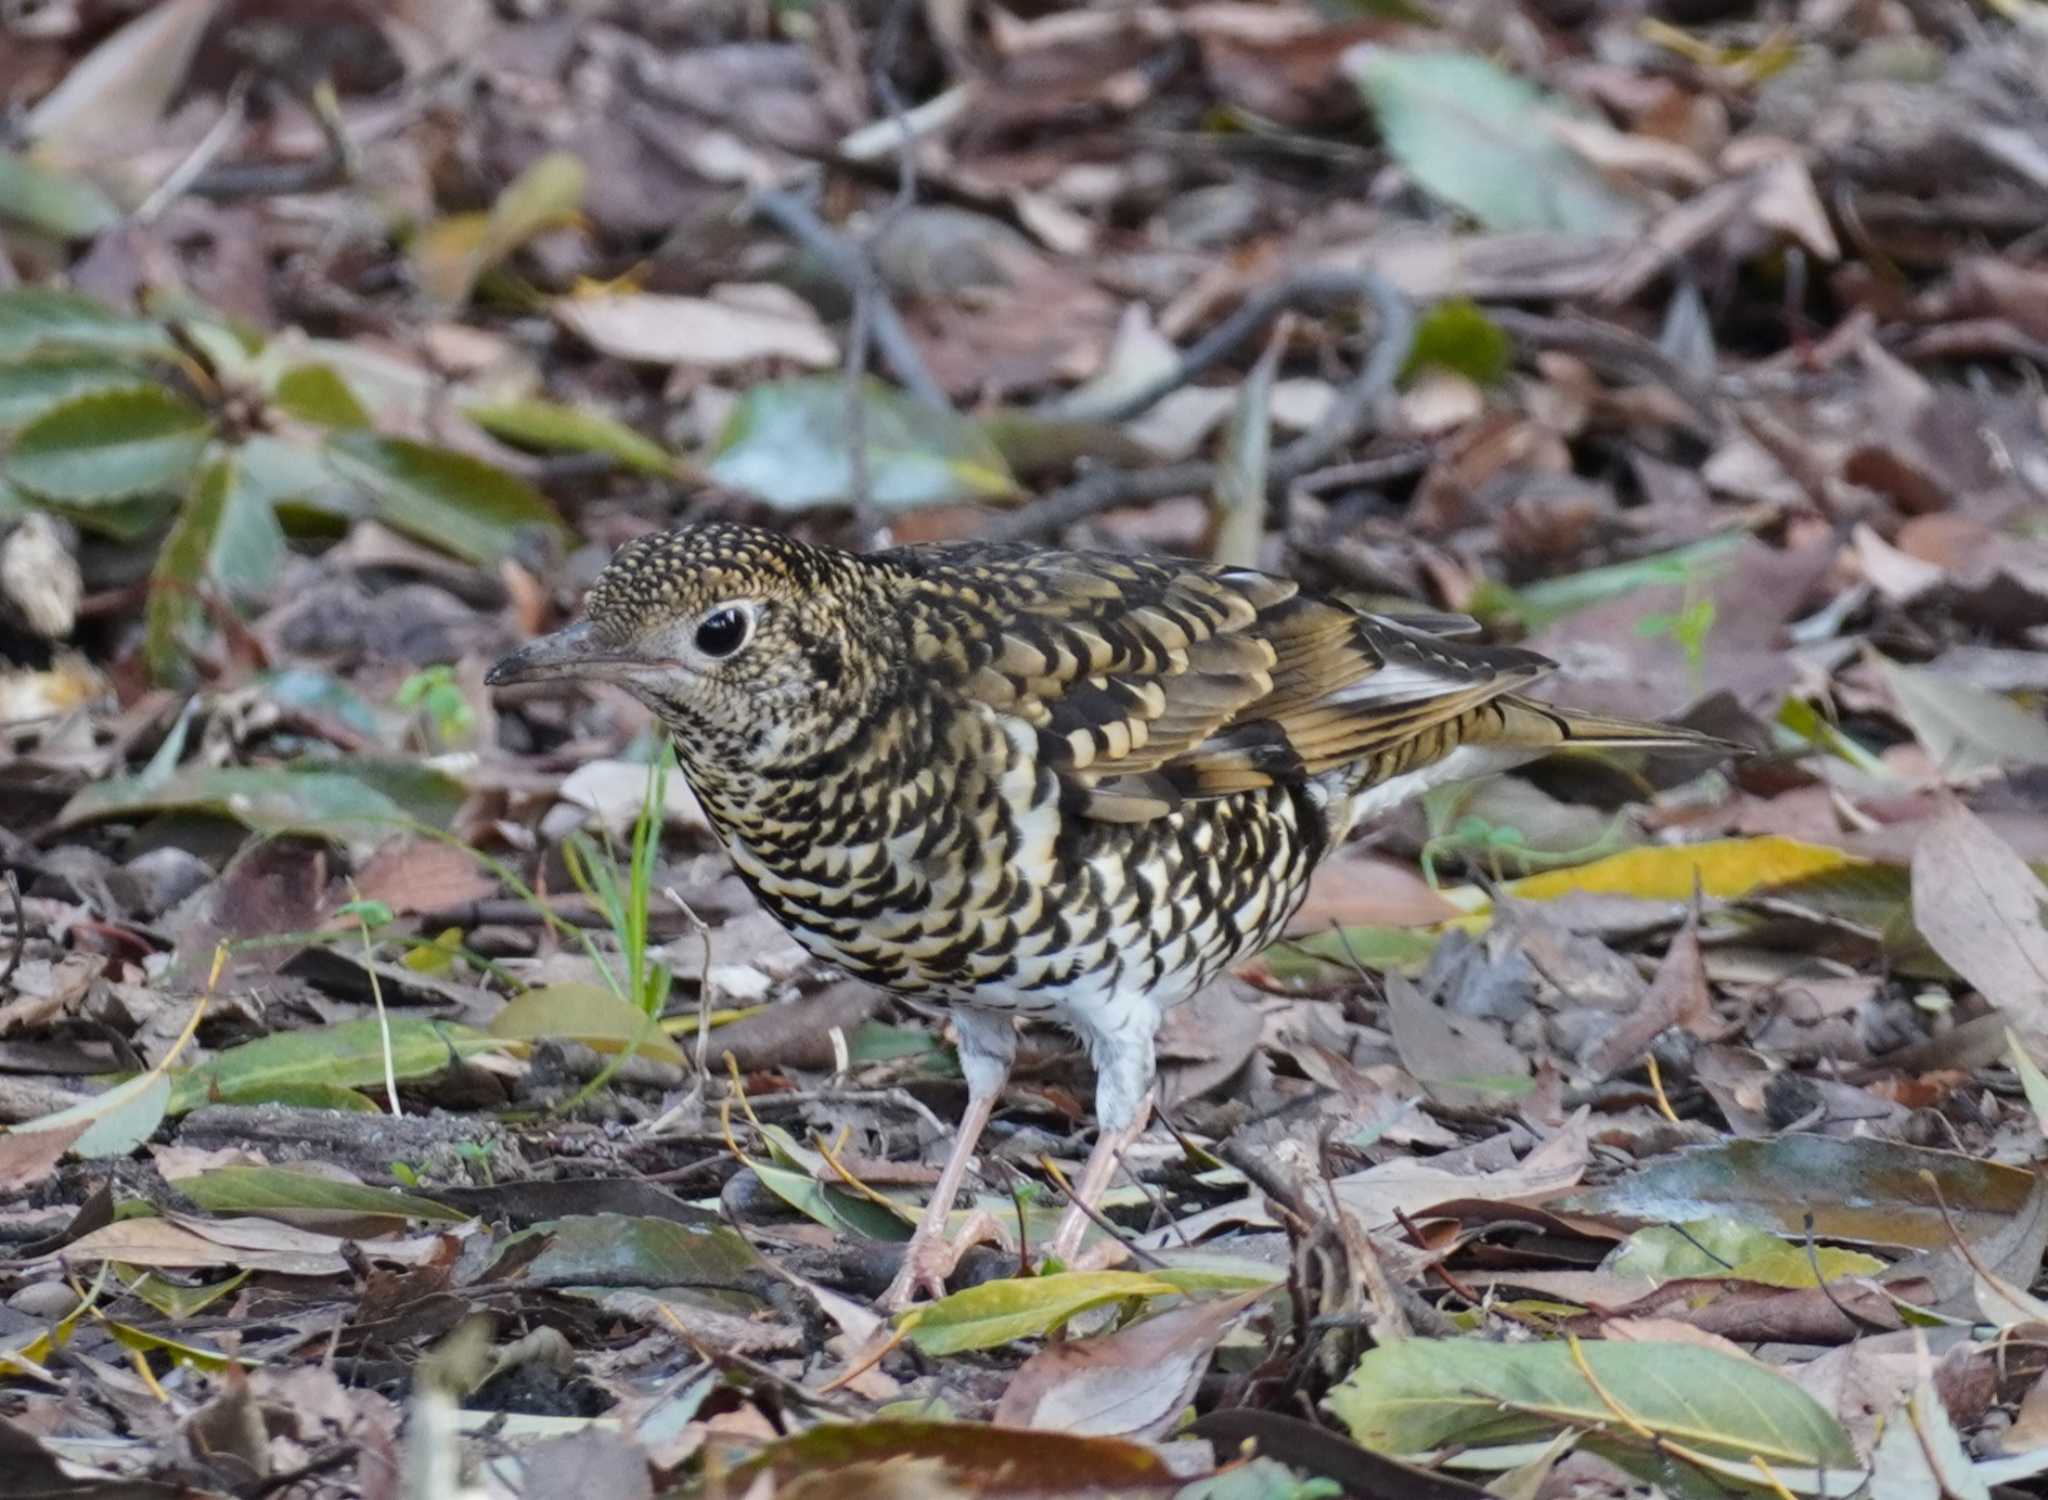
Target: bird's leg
(988, 1045)
(1110, 1145)
(1121, 1044)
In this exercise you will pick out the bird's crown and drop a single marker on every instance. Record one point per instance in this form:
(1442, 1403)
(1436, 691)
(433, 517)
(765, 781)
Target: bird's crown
(671, 575)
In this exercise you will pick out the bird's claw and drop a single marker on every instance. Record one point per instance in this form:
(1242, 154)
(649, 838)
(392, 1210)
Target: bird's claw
(927, 1263)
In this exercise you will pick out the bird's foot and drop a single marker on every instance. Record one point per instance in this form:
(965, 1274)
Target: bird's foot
(1105, 1253)
(929, 1259)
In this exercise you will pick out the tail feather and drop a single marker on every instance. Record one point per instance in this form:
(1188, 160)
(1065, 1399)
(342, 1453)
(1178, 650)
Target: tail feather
(1529, 721)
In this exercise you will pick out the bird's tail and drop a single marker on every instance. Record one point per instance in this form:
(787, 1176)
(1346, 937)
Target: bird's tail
(1526, 721)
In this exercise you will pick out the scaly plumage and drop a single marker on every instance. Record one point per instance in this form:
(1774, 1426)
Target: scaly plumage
(1016, 780)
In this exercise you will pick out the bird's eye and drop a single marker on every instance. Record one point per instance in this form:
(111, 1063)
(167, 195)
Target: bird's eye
(723, 631)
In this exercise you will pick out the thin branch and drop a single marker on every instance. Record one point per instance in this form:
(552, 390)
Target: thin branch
(199, 161)
(1350, 416)
(20, 928)
(276, 179)
(851, 267)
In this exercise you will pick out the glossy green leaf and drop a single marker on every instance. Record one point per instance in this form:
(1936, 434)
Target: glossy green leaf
(33, 318)
(316, 393)
(266, 1190)
(789, 443)
(998, 1312)
(554, 427)
(1416, 1395)
(1723, 1247)
(1478, 137)
(451, 500)
(356, 800)
(110, 445)
(837, 1209)
(349, 1054)
(29, 387)
(223, 539)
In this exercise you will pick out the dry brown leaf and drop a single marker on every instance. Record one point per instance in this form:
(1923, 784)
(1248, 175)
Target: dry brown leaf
(1981, 909)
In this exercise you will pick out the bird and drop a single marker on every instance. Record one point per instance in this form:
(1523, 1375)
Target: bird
(1006, 780)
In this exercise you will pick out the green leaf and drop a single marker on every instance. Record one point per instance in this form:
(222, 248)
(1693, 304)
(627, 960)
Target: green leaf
(789, 443)
(31, 386)
(454, 501)
(553, 427)
(266, 1190)
(355, 800)
(317, 394)
(174, 1300)
(451, 253)
(997, 1312)
(1728, 1248)
(587, 1013)
(33, 318)
(121, 1119)
(1459, 337)
(632, 1250)
(110, 445)
(1537, 604)
(1405, 949)
(62, 205)
(1479, 138)
(307, 1094)
(1416, 1395)
(223, 536)
(837, 1209)
(349, 1054)
(285, 473)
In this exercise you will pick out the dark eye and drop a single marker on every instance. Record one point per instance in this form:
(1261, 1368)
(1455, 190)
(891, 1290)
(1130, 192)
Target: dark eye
(722, 632)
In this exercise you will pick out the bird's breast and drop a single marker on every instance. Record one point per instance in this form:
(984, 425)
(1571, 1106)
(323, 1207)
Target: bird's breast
(959, 876)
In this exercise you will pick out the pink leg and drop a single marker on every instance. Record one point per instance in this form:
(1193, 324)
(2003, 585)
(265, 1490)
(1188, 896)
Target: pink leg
(1095, 1180)
(928, 1259)
(987, 1046)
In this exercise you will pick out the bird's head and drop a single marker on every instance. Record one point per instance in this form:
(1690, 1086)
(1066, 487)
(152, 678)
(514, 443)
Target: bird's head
(755, 650)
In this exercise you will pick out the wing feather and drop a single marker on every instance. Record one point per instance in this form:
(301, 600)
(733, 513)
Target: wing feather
(1151, 680)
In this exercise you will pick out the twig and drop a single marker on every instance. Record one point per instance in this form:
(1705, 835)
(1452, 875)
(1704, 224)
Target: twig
(1096, 1217)
(1236, 332)
(1348, 417)
(851, 267)
(20, 928)
(868, 296)
(201, 158)
(703, 981)
(277, 179)
(1617, 348)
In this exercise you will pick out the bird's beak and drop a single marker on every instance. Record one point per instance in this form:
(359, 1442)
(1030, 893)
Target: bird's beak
(574, 652)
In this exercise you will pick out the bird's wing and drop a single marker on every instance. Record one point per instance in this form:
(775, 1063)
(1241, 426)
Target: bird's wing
(1150, 680)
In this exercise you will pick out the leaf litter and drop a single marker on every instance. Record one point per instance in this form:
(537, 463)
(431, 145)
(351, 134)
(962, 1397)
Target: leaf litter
(394, 1074)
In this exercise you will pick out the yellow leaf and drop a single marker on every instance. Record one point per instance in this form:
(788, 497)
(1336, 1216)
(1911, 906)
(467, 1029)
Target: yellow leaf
(1725, 868)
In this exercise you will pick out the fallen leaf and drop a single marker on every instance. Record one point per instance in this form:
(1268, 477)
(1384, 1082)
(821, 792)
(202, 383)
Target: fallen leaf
(1981, 909)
